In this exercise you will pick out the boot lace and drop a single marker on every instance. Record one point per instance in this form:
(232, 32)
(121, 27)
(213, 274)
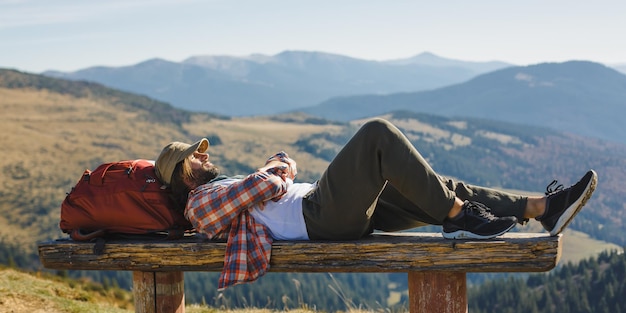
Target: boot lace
(553, 188)
(480, 210)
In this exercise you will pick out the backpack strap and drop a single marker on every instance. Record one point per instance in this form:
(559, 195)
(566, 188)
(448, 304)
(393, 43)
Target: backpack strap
(96, 236)
(128, 166)
(78, 235)
(175, 233)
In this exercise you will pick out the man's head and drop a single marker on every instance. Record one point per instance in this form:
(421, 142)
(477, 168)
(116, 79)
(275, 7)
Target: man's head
(174, 153)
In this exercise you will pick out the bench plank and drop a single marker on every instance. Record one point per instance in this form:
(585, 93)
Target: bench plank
(436, 266)
(384, 252)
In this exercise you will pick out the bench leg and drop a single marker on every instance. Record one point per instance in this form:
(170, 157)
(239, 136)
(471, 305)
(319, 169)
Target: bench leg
(159, 292)
(444, 292)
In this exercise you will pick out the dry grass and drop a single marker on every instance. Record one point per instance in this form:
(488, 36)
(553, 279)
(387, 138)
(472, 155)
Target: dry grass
(35, 292)
(22, 292)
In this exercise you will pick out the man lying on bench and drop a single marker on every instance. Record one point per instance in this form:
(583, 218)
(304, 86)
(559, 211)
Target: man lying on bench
(378, 181)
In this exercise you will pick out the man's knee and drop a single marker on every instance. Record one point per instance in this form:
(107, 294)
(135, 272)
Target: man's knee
(378, 125)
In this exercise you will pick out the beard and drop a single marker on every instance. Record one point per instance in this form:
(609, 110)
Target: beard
(203, 176)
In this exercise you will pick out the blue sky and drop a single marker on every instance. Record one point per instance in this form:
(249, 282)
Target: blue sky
(68, 35)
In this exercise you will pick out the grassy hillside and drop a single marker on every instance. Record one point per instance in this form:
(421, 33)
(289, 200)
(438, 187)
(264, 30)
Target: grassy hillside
(22, 292)
(50, 136)
(53, 130)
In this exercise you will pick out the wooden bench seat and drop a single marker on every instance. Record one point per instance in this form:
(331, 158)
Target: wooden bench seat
(436, 266)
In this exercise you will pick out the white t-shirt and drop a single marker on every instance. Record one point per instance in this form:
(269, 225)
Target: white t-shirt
(284, 217)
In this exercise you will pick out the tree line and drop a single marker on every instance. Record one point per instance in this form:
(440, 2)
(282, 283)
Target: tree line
(595, 285)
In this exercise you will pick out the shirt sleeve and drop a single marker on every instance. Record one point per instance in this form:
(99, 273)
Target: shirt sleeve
(212, 208)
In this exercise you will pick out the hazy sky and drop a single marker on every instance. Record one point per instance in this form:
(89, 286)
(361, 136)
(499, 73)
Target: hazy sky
(67, 35)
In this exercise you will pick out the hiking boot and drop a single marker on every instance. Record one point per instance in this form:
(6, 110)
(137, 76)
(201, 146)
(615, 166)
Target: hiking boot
(476, 222)
(563, 204)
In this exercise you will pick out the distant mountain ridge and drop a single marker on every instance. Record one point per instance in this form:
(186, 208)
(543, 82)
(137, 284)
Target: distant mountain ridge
(581, 97)
(261, 84)
(430, 59)
(621, 68)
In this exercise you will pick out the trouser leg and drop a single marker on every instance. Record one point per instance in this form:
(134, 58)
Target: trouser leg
(344, 201)
(394, 212)
(500, 202)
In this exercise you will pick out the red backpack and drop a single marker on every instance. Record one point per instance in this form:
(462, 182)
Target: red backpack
(122, 197)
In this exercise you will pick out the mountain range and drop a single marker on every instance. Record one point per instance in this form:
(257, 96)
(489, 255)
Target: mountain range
(580, 97)
(261, 84)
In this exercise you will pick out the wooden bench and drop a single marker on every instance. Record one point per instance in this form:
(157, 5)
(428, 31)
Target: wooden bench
(436, 266)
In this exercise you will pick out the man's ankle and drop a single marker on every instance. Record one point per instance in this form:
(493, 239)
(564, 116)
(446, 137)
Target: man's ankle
(535, 207)
(456, 209)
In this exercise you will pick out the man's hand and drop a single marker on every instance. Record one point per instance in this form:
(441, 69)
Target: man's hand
(278, 167)
(278, 163)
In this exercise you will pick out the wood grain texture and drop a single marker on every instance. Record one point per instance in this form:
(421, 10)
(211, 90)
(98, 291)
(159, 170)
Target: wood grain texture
(386, 252)
(159, 292)
(437, 292)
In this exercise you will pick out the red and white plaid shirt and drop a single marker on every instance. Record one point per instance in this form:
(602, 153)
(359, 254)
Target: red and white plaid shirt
(220, 210)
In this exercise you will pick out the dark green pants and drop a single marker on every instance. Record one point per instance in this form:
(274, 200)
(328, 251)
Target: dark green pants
(380, 181)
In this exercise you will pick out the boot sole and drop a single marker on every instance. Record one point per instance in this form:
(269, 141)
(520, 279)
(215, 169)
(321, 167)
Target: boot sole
(464, 234)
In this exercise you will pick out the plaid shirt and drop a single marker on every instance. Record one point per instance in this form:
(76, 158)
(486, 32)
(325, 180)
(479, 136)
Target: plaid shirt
(220, 210)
